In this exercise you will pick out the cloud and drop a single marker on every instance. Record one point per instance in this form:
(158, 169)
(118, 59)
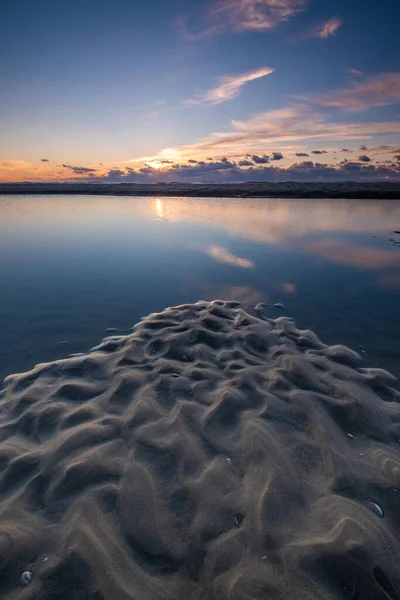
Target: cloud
(260, 160)
(244, 15)
(294, 123)
(381, 90)
(229, 87)
(79, 170)
(328, 28)
(302, 154)
(319, 152)
(225, 170)
(380, 149)
(364, 158)
(44, 160)
(245, 163)
(363, 147)
(322, 30)
(277, 156)
(346, 150)
(260, 15)
(354, 72)
(14, 165)
(222, 255)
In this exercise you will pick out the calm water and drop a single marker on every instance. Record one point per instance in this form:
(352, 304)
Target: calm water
(73, 266)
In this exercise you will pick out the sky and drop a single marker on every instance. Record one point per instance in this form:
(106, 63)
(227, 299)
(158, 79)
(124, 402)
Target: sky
(200, 90)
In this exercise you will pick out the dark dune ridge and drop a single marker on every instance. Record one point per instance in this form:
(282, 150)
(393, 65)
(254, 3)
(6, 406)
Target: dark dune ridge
(208, 455)
(389, 190)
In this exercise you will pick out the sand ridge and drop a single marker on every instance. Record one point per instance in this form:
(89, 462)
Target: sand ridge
(209, 454)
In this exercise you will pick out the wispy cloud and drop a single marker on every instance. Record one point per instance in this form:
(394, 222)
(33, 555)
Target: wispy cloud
(295, 123)
(245, 15)
(354, 72)
(229, 87)
(242, 15)
(323, 30)
(382, 90)
(328, 28)
(303, 122)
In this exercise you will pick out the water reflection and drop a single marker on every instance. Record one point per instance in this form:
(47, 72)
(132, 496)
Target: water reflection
(294, 224)
(361, 256)
(224, 256)
(72, 266)
(277, 220)
(160, 209)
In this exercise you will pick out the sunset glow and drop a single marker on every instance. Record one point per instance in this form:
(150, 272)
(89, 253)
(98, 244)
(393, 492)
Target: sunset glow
(226, 90)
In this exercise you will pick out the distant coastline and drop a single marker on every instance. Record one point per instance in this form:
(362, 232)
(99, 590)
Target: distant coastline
(346, 190)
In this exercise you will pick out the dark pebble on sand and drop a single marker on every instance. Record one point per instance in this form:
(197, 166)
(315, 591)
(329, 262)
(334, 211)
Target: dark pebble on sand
(239, 520)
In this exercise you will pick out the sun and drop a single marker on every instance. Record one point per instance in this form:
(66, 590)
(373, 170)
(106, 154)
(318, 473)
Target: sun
(156, 164)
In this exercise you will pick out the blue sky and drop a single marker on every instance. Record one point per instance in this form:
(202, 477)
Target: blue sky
(114, 89)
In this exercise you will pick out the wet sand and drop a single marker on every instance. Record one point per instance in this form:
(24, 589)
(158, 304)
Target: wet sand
(210, 454)
(285, 189)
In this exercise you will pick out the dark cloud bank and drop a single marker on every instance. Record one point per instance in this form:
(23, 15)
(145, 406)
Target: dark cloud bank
(256, 169)
(79, 170)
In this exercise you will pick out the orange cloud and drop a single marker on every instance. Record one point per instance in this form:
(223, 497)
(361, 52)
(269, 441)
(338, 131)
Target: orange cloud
(14, 165)
(229, 87)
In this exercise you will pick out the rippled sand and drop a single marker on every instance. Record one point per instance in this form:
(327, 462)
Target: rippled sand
(208, 455)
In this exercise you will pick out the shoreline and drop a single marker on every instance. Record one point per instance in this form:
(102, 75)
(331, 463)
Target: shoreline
(338, 190)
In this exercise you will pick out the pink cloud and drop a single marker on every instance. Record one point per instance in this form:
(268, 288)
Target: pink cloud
(354, 72)
(354, 256)
(241, 15)
(328, 28)
(322, 30)
(245, 15)
(381, 90)
(293, 123)
(229, 87)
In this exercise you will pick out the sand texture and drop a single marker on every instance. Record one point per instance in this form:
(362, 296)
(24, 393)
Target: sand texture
(209, 455)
